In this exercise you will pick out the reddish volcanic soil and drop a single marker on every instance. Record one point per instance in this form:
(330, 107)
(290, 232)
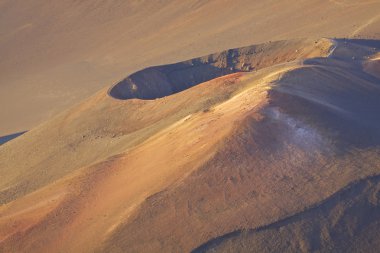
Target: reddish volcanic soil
(239, 146)
(273, 147)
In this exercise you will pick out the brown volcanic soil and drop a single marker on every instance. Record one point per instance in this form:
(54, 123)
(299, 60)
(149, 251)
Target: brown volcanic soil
(56, 53)
(111, 126)
(243, 148)
(348, 221)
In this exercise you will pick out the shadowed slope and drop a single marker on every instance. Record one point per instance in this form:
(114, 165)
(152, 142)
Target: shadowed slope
(348, 221)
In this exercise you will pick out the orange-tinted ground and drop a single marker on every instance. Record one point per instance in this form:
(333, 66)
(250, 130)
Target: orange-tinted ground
(54, 54)
(273, 147)
(272, 133)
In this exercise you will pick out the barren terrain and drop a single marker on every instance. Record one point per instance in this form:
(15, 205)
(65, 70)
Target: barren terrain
(56, 53)
(269, 142)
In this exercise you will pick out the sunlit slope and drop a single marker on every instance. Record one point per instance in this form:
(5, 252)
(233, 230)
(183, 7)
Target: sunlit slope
(56, 53)
(260, 141)
(103, 126)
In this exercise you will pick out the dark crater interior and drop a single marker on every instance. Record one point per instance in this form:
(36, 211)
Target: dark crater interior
(160, 81)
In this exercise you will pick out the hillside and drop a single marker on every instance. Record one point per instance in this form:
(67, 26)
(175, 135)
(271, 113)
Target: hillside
(54, 54)
(222, 152)
(189, 126)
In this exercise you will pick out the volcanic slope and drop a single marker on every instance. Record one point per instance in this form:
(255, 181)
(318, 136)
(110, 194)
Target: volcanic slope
(56, 53)
(249, 144)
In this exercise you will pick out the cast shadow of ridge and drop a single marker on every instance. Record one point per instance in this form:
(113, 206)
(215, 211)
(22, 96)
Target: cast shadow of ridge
(6, 138)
